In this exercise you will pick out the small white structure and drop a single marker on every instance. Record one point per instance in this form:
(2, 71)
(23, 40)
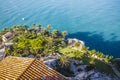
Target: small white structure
(71, 41)
(6, 37)
(8, 44)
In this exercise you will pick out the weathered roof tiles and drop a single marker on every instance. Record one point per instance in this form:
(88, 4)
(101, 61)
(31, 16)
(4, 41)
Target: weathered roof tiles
(27, 69)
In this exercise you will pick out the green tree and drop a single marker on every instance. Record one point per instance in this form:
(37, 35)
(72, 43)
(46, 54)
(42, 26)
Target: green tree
(39, 25)
(8, 51)
(42, 32)
(77, 44)
(4, 31)
(20, 28)
(85, 48)
(55, 33)
(63, 61)
(48, 27)
(11, 30)
(37, 46)
(101, 55)
(64, 33)
(111, 58)
(24, 45)
(34, 25)
(78, 54)
(26, 28)
(14, 27)
(92, 51)
(17, 52)
(1, 40)
(49, 41)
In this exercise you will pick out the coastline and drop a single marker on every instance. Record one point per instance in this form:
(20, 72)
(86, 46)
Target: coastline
(97, 42)
(41, 42)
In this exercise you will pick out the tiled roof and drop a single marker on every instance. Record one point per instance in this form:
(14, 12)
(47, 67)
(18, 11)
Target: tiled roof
(8, 35)
(27, 69)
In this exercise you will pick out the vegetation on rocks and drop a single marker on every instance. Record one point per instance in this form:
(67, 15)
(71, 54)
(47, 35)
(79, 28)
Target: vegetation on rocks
(41, 42)
(36, 43)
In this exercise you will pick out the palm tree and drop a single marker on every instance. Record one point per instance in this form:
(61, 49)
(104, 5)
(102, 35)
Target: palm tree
(78, 54)
(77, 45)
(37, 45)
(85, 48)
(63, 61)
(20, 27)
(26, 27)
(111, 58)
(42, 32)
(34, 25)
(55, 33)
(17, 52)
(48, 27)
(64, 33)
(1, 40)
(11, 30)
(14, 27)
(8, 51)
(4, 29)
(39, 25)
(93, 51)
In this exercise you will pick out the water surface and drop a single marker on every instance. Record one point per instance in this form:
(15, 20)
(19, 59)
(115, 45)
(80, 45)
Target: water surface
(97, 22)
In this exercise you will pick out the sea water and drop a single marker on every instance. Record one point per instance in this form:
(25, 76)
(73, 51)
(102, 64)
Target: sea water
(96, 22)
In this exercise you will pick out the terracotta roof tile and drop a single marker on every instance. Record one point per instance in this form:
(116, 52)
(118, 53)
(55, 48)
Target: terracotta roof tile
(27, 69)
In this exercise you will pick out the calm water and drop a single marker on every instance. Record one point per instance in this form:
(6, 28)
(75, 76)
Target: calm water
(97, 22)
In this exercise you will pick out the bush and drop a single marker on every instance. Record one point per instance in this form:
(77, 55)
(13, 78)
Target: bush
(15, 40)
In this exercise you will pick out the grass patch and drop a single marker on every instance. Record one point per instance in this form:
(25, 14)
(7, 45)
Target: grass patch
(100, 66)
(67, 51)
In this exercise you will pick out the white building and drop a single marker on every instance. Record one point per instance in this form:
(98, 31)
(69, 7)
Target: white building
(6, 37)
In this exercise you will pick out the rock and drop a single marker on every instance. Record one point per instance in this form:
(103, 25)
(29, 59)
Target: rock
(89, 67)
(101, 76)
(80, 76)
(73, 68)
(31, 56)
(51, 63)
(79, 70)
(82, 67)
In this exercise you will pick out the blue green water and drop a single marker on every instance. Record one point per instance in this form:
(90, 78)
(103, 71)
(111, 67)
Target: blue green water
(97, 22)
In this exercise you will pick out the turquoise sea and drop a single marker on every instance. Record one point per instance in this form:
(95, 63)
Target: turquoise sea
(97, 22)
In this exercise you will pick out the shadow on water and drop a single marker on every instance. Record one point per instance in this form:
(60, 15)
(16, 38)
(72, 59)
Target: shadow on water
(96, 41)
